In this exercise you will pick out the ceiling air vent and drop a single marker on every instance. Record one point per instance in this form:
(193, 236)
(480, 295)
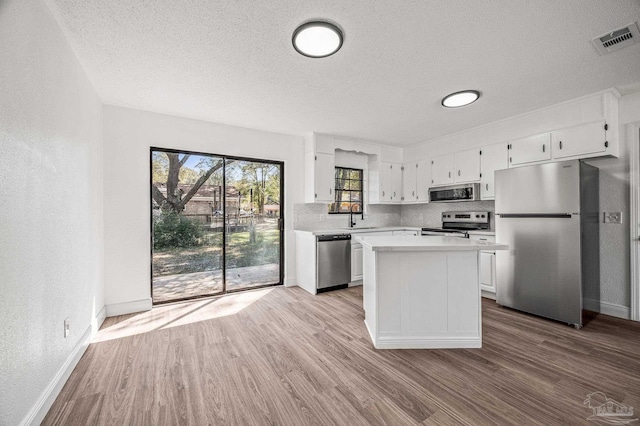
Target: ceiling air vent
(617, 39)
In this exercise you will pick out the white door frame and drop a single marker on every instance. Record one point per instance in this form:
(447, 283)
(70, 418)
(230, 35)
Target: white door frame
(633, 135)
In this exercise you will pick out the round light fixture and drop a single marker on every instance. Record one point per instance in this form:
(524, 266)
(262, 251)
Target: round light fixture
(317, 39)
(459, 99)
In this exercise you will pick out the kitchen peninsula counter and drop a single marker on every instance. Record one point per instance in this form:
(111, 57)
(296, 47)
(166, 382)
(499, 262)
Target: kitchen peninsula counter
(423, 292)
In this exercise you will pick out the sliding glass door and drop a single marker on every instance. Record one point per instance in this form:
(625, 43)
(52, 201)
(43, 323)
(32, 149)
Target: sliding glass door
(216, 224)
(252, 216)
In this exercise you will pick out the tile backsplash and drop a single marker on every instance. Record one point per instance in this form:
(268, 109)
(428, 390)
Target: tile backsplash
(315, 216)
(428, 215)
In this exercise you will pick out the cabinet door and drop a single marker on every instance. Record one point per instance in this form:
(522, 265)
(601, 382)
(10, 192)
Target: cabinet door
(385, 181)
(396, 182)
(580, 140)
(356, 262)
(487, 272)
(467, 166)
(423, 181)
(409, 176)
(442, 170)
(493, 157)
(324, 178)
(530, 150)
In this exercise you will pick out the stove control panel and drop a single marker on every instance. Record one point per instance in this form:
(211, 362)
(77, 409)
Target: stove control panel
(466, 217)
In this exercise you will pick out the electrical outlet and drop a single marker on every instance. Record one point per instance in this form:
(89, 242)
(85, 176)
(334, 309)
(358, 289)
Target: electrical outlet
(612, 217)
(66, 327)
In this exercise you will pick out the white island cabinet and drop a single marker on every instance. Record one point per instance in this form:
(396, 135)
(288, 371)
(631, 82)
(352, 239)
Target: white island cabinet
(423, 293)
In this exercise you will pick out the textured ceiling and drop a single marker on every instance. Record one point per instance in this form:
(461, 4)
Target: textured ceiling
(232, 61)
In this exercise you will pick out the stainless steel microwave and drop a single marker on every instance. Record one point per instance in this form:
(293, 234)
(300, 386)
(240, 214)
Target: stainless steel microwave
(454, 193)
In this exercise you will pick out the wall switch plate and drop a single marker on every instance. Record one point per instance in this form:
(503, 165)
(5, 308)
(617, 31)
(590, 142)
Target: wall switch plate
(612, 217)
(66, 327)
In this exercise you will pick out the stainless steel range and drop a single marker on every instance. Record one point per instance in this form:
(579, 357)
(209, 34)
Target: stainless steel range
(457, 224)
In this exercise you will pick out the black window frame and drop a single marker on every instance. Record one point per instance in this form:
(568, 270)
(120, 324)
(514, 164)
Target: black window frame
(338, 192)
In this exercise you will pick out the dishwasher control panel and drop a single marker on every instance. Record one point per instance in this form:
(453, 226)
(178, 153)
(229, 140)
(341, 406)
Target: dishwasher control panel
(334, 237)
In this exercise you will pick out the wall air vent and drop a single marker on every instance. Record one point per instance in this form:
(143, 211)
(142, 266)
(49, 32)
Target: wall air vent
(617, 39)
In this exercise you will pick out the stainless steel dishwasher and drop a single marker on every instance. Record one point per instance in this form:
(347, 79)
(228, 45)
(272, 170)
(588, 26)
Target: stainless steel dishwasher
(333, 265)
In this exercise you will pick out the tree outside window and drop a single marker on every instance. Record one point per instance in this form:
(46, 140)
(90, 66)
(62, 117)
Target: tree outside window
(348, 191)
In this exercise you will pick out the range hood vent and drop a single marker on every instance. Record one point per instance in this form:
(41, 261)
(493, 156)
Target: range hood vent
(617, 39)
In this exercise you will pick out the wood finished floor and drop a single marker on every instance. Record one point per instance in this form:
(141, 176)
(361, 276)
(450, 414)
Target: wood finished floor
(282, 356)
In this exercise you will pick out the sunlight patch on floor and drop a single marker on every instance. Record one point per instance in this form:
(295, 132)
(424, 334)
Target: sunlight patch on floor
(164, 317)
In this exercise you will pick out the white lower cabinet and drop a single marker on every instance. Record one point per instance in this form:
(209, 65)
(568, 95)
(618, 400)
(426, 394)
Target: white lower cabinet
(488, 271)
(356, 261)
(487, 266)
(356, 249)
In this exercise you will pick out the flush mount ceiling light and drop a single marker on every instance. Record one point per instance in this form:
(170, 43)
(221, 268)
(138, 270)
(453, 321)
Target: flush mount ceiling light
(317, 39)
(459, 99)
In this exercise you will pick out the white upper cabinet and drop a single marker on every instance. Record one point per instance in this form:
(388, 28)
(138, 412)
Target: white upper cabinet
(423, 181)
(409, 182)
(386, 189)
(467, 166)
(461, 167)
(324, 169)
(442, 170)
(416, 179)
(396, 182)
(581, 140)
(531, 149)
(492, 158)
(385, 182)
(319, 169)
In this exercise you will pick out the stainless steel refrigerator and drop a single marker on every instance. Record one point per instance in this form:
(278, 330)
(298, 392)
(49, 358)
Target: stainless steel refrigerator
(548, 215)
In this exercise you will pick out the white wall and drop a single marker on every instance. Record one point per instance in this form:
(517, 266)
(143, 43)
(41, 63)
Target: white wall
(128, 135)
(51, 210)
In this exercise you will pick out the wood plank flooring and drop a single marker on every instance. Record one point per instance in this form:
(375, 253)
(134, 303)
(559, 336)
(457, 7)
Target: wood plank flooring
(281, 356)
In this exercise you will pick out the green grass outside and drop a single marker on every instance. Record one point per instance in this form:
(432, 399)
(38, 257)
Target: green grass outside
(208, 257)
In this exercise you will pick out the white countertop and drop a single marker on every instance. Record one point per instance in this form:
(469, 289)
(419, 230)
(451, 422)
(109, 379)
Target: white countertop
(482, 232)
(357, 230)
(427, 243)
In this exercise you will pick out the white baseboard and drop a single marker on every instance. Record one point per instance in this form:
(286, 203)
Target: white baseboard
(40, 409)
(488, 294)
(428, 343)
(606, 308)
(99, 319)
(290, 282)
(132, 307)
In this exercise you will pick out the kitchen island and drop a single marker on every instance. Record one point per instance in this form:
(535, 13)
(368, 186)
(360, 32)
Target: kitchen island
(423, 292)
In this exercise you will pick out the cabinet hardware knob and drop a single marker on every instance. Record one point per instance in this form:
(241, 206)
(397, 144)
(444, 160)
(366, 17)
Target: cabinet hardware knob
(487, 186)
(560, 144)
(383, 193)
(413, 193)
(449, 174)
(316, 195)
(458, 172)
(544, 147)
